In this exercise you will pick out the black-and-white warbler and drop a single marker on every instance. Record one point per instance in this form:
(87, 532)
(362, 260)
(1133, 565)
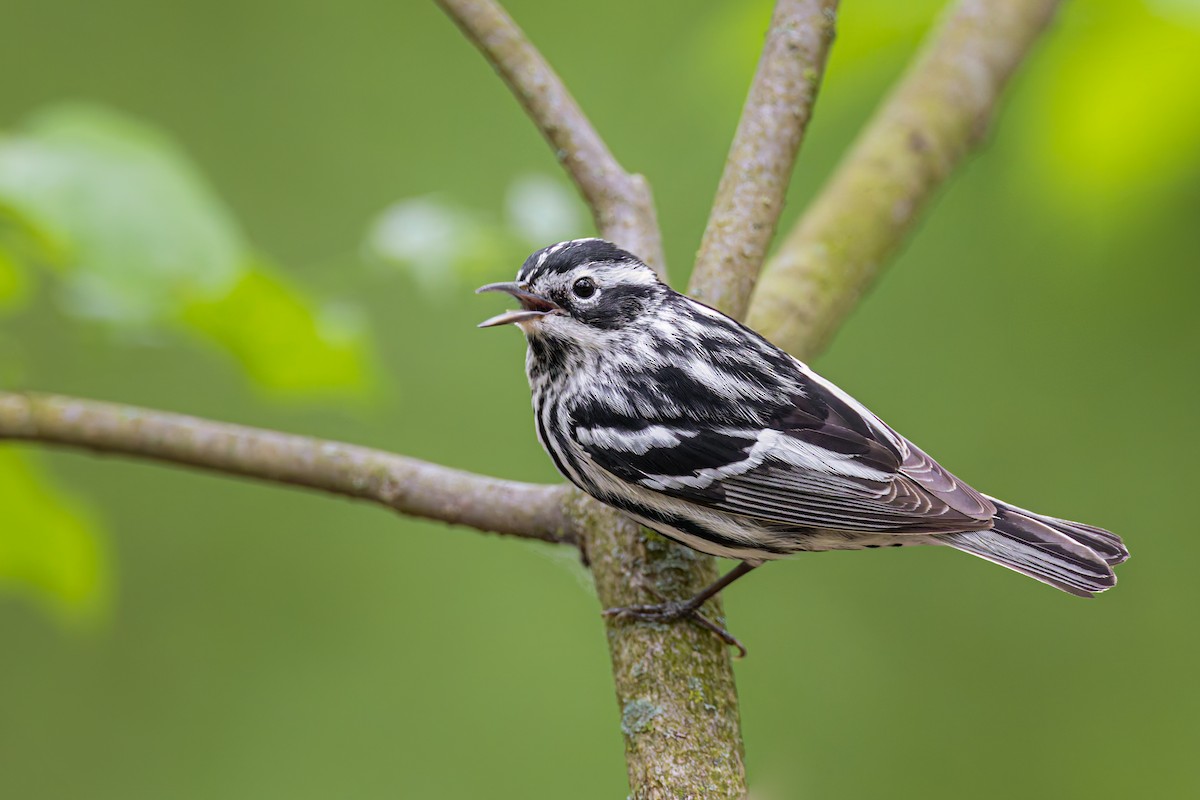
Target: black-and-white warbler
(702, 430)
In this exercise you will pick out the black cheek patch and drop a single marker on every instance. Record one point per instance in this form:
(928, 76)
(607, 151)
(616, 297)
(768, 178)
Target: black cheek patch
(615, 307)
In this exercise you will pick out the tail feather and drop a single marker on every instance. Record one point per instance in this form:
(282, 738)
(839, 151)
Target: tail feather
(1106, 544)
(1070, 556)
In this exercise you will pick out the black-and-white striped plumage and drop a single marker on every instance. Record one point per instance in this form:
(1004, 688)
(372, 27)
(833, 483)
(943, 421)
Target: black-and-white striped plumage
(701, 429)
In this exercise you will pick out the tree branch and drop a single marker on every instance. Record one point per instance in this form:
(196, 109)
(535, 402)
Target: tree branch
(758, 170)
(933, 118)
(674, 683)
(621, 203)
(407, 485)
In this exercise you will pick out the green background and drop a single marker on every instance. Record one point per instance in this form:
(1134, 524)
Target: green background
(1038, 335)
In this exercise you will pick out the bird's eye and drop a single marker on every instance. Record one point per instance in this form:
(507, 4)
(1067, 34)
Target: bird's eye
(584, 288)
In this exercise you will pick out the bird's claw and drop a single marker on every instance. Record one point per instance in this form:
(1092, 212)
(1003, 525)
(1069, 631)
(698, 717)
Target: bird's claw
(670, 611)
(660, 612)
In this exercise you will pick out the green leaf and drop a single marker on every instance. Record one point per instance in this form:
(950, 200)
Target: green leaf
(284, 339)
(13, 281)
(138, 240)
(446, 247)
(541, 210)
(429, 239)
(138, 230)
(50, 550)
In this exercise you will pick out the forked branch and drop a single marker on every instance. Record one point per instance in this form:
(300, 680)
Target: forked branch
(407, 485)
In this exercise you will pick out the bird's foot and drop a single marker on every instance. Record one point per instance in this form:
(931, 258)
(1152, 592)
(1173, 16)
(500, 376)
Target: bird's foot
(671, 610)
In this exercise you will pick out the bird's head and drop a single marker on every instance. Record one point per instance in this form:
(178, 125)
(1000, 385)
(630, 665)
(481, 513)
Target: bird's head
(586, 291)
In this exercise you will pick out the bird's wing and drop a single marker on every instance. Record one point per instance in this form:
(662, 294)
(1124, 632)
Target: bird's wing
(822, 461)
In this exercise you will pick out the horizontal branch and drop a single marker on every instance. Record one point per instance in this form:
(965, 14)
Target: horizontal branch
(407, 485)
(933, 118)
(758, 170)
(621, 203)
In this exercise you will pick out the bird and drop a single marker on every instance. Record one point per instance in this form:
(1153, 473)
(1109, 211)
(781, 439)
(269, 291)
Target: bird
(699, 428)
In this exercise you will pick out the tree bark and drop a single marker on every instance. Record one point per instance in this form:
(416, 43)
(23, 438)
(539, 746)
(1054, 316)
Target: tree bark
(407, 485)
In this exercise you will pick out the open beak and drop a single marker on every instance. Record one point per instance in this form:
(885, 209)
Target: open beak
(533, 306)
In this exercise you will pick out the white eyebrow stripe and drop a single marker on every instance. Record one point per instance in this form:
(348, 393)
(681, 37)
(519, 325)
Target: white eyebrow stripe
(627, 273)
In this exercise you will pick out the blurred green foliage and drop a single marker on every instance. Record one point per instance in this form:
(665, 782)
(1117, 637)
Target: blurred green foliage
(135, 239)
(47, 546)
(284, 341)
(13, 282)
(265, 643)
(447, 247)
(116, 207)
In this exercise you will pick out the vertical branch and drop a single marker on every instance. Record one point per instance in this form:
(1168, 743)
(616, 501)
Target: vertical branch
(758, 170)
(933, 118)
(674, 683)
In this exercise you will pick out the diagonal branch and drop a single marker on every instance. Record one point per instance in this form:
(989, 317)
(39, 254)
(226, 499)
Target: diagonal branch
(933, 118)
(758, 170)
(621, 203)
(407, 485)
